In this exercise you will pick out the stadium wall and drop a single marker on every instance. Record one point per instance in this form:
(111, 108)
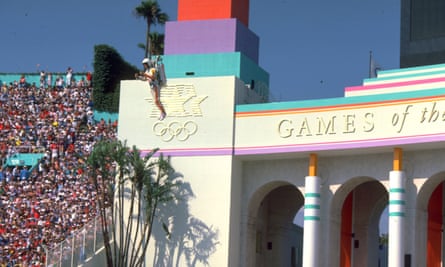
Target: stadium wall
(233, 158)
(34, 78)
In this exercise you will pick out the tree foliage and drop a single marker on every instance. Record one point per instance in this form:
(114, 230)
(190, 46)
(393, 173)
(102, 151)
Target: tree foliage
(131, 188)
(157, 44)
(383, 239)
(153, 15)
(109, 69)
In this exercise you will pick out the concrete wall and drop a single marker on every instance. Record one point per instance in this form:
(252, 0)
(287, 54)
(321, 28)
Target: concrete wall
(238, 161)
(203, 9)
(218, 64)
(200, 222)
(340, 175)
(210, 36)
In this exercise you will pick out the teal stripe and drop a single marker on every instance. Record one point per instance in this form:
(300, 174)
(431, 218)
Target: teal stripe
(312, 195)
(397, 190)
(311, 218)
(403, 75)
(397, 202)
(416, 68)
(397, 214)
(435, 67)
(312, 206)
(337, 101)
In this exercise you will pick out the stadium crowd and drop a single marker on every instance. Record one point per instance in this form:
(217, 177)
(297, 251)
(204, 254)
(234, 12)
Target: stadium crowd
(42, 205)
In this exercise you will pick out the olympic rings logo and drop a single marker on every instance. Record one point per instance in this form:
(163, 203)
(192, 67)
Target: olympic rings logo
(168, 131)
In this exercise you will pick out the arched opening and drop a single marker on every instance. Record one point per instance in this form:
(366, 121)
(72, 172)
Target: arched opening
(278, 241)
(434, 254)
(430, 223)
(383, 237)
(360, 217)
(299, 217)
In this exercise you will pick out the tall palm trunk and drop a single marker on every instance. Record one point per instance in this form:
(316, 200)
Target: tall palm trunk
(148, 41)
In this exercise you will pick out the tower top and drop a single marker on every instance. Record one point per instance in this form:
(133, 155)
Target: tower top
(213, 9)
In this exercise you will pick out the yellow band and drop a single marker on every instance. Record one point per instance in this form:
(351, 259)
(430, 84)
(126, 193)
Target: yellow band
(397, 162)
(313, 165)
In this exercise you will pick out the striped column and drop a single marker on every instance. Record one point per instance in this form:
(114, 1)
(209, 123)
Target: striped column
(397, 187)
(311, 233)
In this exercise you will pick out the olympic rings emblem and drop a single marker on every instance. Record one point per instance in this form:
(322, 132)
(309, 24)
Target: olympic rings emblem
(182, 131)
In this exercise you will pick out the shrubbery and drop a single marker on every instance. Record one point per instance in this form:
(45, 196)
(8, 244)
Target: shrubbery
(109, 70)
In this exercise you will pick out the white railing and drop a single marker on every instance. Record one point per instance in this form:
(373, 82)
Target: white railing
(79, 248)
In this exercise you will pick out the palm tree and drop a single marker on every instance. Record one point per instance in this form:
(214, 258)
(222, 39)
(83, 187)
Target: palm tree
(157, 44)
(151, 12)
(131, 189)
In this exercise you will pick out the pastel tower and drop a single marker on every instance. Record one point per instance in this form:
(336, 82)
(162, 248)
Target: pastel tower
(211, 63)
(212, 38)
(223, 9)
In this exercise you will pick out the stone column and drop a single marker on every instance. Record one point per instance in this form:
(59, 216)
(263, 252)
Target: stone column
(311, 236)
(397, 188)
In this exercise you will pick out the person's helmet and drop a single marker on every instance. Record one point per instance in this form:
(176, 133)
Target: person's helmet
(146, 60)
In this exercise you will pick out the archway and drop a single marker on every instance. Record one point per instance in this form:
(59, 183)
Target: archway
(361, 209)
(435, 227)
(430, 210)
(383, 237)
(278, 241)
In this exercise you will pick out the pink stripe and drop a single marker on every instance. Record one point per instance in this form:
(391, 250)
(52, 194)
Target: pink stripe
(261, 150)
(192, 152)
(395, 84)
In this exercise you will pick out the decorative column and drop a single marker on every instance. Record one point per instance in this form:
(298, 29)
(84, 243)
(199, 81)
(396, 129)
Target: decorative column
(397, 187)
(311, 233)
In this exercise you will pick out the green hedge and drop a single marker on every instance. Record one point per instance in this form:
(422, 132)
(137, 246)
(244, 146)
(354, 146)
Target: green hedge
(109, 70)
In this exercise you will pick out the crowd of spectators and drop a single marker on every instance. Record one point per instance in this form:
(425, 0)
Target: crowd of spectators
(42, 205)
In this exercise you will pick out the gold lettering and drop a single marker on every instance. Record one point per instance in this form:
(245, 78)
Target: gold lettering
(349, 123)
(285, 129)
(369, 122)
(423, 118)
(304, 127)
(326, 129)
(320, 126)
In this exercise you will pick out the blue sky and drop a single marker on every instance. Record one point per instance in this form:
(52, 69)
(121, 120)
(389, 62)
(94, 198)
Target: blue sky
(311, 49)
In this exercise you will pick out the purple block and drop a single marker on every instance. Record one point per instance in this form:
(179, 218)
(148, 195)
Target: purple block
(210, 36)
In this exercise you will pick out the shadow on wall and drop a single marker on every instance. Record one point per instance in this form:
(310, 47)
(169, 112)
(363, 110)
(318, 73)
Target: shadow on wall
(190, 241)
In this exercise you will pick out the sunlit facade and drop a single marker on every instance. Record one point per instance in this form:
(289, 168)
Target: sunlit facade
(248, 166)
